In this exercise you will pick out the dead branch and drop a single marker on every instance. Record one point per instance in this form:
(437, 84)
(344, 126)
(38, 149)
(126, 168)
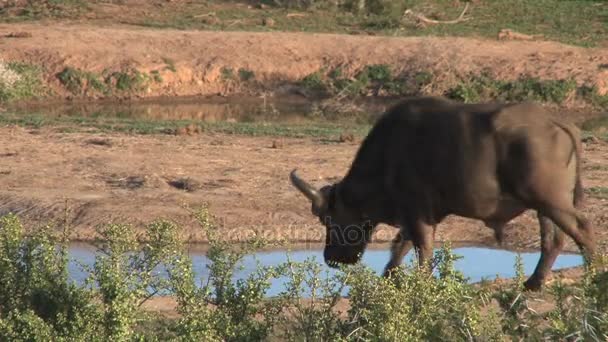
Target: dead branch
(508, 34)
(295, 15)
(423, 19)
(210, 14)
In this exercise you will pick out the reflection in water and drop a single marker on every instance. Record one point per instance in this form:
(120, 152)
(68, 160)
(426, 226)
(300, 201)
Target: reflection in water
(242, 109)
(477, 263)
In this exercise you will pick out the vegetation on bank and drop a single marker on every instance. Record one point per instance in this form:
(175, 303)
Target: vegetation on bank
(381, 79)
(19, 81)
(327, 130)
(580, 22)
(92, 124)
(39, 301)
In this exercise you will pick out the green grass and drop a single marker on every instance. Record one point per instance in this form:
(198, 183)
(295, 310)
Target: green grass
(131, 80)
(246, 75)
(483, 87)
(59, 9)
(70, 124)
(169, 64)
(600, 192)
(20, 81)
(574, 22)
(78, 81)
(578, 22)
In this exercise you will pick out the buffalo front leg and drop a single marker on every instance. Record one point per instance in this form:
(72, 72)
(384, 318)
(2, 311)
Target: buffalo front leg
(400, 246)
(552, 242)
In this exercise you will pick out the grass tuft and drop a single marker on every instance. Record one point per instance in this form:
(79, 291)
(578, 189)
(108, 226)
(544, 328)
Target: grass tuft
(19, 81)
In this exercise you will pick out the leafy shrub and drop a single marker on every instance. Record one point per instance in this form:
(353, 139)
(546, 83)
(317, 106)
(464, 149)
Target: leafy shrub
(314, 82)
(19, 81)
(37, 299)
(416, 305)
(130, 80)
(227, 73)
(39, 302)
(246, 75)
(169, 64)
(221, 309)
(78, 82)
(483, 87)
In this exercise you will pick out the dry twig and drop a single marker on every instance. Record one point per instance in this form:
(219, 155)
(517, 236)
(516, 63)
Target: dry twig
(421, 18)
(210, 14)
(508, 34)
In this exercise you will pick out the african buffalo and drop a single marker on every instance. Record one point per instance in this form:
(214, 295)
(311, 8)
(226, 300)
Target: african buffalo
(430, 157)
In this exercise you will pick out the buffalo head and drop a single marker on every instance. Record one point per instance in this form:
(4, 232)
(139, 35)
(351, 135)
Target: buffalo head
(348, 230)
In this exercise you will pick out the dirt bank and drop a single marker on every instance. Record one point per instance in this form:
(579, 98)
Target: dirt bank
(245, 180)
(196, 62)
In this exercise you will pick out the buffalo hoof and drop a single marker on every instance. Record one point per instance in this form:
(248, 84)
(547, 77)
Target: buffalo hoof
(533, 284)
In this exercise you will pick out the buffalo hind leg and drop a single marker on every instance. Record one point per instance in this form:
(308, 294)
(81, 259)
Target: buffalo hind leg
(576, 226)
(552, 242)
(423, 236)
(400, 246)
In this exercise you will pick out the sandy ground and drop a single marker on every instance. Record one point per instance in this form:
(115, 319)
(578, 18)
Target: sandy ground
(279, 59)
(127, 178)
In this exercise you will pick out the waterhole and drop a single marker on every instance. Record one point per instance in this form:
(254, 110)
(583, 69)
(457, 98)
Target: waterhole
(477, 263)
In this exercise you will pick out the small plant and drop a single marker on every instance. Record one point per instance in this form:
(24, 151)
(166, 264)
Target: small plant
(246, 75)
(484, 87)
(236, 305)
(227, 74)
(591, 95)
(131, 80)
(315, 319)
(19, 81)
(415, 305)
(156, 76)
(314, 82)
(169, 64)
(78, 81)
(531, 88)
(37, 300)
(380, 76)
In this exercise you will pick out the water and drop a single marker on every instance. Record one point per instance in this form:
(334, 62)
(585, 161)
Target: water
(286, 110)
(477, 263)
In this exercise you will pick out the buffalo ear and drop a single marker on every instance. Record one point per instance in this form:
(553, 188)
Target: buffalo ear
(318, 198)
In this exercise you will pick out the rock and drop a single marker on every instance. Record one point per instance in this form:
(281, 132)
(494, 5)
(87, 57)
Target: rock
(277, 144)
(508, 34)
(193, 129)
(20, 34)
(268, 22)
(181, 131)
(601, 83)
(346, 137)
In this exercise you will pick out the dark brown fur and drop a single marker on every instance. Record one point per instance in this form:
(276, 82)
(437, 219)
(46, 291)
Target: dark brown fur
(428, 157)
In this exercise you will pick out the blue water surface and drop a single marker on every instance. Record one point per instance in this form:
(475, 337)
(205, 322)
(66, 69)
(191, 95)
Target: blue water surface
(477, 263)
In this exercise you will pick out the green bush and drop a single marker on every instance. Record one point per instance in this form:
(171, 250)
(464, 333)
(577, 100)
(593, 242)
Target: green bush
(483, 88)
(79, 82)
(246, 75)
(314, 82)
(19, 81)
(435, 303)
(130, 80)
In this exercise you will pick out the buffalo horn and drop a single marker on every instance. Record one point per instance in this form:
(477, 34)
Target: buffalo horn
(308, 190)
